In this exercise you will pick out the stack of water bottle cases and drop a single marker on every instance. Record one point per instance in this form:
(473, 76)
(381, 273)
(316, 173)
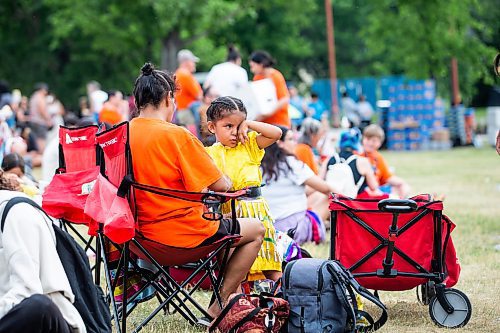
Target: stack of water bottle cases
(415, 119)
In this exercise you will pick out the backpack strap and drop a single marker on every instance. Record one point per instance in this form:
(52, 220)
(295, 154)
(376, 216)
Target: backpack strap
(354, 158)
(224, 312)
(336, 269)
(342, 297)
(350, 159)
(333, 160)
(14, 201)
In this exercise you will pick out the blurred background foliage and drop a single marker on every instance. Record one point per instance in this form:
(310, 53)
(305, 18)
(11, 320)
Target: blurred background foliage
(66, 43)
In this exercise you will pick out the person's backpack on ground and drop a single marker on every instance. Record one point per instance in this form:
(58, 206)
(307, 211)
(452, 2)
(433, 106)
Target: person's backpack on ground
(89, 298)
(322, 298)
(339, 172)
(252, 313)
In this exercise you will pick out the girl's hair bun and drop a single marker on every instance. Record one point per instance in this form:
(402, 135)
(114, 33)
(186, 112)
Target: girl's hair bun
(147, 69)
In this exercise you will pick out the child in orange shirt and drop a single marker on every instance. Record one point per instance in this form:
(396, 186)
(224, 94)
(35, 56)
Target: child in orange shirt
(238, 154)
(373, 136)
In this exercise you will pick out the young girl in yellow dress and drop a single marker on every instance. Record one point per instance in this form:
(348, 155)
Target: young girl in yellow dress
(238, 154)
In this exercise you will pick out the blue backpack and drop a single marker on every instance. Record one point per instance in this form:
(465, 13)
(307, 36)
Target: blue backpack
(322, 299)
(89, 298)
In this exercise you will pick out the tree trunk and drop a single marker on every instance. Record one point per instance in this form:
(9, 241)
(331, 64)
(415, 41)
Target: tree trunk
(170, 46)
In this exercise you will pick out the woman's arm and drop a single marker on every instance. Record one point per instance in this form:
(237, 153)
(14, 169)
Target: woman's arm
(318, 184)
(282, 102)
(268, 134)
(324, 168)
(223, 184)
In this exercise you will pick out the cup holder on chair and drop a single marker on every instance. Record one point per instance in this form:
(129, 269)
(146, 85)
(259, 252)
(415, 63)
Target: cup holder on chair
(212, 210)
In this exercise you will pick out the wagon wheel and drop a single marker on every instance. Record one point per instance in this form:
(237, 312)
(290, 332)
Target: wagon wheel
(462, 309)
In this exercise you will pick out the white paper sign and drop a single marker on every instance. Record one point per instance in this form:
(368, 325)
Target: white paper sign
(259, 97)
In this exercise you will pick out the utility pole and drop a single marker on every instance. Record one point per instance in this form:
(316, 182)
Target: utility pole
(454, 82)
(331, 62)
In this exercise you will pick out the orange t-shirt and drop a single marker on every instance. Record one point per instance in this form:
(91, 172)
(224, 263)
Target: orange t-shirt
(168, 156)
(380, 167)
(110, 115)
(189, 89)
(281, 116)
(305, 154)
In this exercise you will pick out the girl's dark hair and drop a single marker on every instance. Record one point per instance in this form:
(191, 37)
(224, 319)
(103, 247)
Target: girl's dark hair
(11, 161)
(152, 86)
(263, 58)
(232, 53)
(275, 161)
(223, 106)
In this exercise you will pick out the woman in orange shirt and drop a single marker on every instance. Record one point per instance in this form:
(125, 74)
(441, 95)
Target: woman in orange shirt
(169, 156)
(261, 64)
(311, 132)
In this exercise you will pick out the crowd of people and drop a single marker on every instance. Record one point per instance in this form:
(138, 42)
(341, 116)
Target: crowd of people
(189, 137)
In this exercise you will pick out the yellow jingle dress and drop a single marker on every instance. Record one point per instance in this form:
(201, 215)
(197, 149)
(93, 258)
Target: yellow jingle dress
(242, 165)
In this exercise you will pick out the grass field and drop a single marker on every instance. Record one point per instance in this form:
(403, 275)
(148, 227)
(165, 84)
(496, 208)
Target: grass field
(470, 179)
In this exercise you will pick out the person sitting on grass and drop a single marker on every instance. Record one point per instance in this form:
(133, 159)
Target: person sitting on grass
(286, 179)
(238, 154)
(310, 132)
(362, 183)
(14, 166)
(373, 136)
(169, 156)
(35, 294)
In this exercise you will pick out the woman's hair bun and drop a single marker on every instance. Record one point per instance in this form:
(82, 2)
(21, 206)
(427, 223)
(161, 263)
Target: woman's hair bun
(147, 69)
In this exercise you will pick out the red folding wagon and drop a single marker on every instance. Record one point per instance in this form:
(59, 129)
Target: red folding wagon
(395, 245)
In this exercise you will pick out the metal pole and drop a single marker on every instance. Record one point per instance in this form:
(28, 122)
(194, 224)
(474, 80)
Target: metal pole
(331, 61)
(454, 82)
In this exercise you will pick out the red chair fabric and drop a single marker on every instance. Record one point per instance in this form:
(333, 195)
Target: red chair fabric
(353, 242)
(78, 147)
(106, 207)
(113, 143)
(67, 193)
(65, 196)
(453, 267)
(171, 255)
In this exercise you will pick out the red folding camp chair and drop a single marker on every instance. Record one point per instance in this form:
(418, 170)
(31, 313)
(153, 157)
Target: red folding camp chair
(207, 258)
(64, 198)
(397, 244)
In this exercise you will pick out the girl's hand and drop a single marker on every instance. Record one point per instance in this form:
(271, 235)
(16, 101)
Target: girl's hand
(243, 132)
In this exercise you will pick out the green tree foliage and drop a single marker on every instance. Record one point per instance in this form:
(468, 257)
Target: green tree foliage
(69, 42)
(419, 38)
(276, 26)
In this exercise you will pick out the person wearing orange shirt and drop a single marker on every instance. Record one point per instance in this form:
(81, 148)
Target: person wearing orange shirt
(261, 64)
(111, 112)
(311, 132)
(189, 89)
(168, 156)
(373, 136)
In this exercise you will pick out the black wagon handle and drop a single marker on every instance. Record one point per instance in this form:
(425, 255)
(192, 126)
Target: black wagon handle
(397, 205)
